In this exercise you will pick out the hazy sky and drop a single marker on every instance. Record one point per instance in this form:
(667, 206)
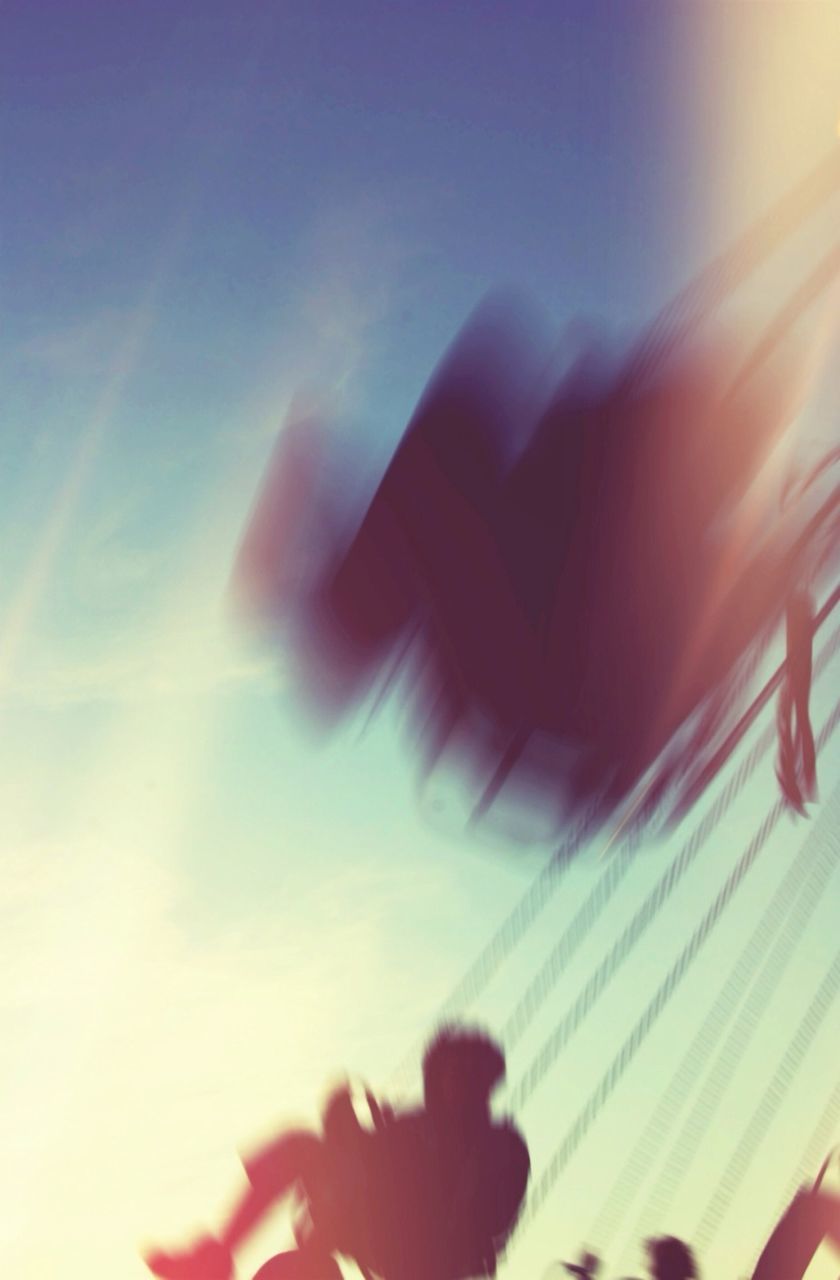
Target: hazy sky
(206, 913)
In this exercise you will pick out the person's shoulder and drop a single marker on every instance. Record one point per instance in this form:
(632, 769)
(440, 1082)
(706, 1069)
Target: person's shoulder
(507, 1169)
(509, 1143)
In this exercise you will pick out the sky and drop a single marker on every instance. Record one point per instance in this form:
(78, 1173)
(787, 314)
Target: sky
(209, 911)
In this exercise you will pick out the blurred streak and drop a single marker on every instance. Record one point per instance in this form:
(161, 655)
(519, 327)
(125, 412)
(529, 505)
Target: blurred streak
(16, 620)
(18, 616)
(705, 293)
(570, 588)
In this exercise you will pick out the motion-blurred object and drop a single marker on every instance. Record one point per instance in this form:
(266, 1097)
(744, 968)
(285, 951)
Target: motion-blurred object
(431, 1192)
(573, 586)
(586, 1268)
(812, 1217)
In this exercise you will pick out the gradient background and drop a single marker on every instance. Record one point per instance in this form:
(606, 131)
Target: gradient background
(205, 912)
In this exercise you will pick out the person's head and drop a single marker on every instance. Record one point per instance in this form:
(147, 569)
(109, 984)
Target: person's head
(461, 1069)
(670, 1259)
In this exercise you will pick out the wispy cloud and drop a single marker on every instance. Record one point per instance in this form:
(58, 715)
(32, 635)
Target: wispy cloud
(195, 662)
(85, 345)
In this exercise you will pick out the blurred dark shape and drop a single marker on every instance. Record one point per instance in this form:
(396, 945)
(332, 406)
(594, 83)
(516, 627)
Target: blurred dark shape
(670, 1259)
(813, 1216)
(432, 1192)
(460, 1072)
(575, 584)
(587, 1268)
(797, 763)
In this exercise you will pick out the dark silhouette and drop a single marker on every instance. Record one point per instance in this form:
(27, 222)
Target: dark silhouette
(670, 1259)
(587, 1268)
(431, 1194)
(812, 1217)
(580, 581)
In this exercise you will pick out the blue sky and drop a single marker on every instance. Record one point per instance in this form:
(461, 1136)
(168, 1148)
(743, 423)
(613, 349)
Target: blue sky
(206, 208)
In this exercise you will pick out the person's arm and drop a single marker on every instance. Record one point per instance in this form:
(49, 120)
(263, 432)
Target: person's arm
(208, 1259)
(211, 1257)
(247, 1212)
(272, 1172)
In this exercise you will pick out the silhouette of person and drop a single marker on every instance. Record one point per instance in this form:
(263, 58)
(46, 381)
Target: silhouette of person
(430, 1192)
(670, 1259)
